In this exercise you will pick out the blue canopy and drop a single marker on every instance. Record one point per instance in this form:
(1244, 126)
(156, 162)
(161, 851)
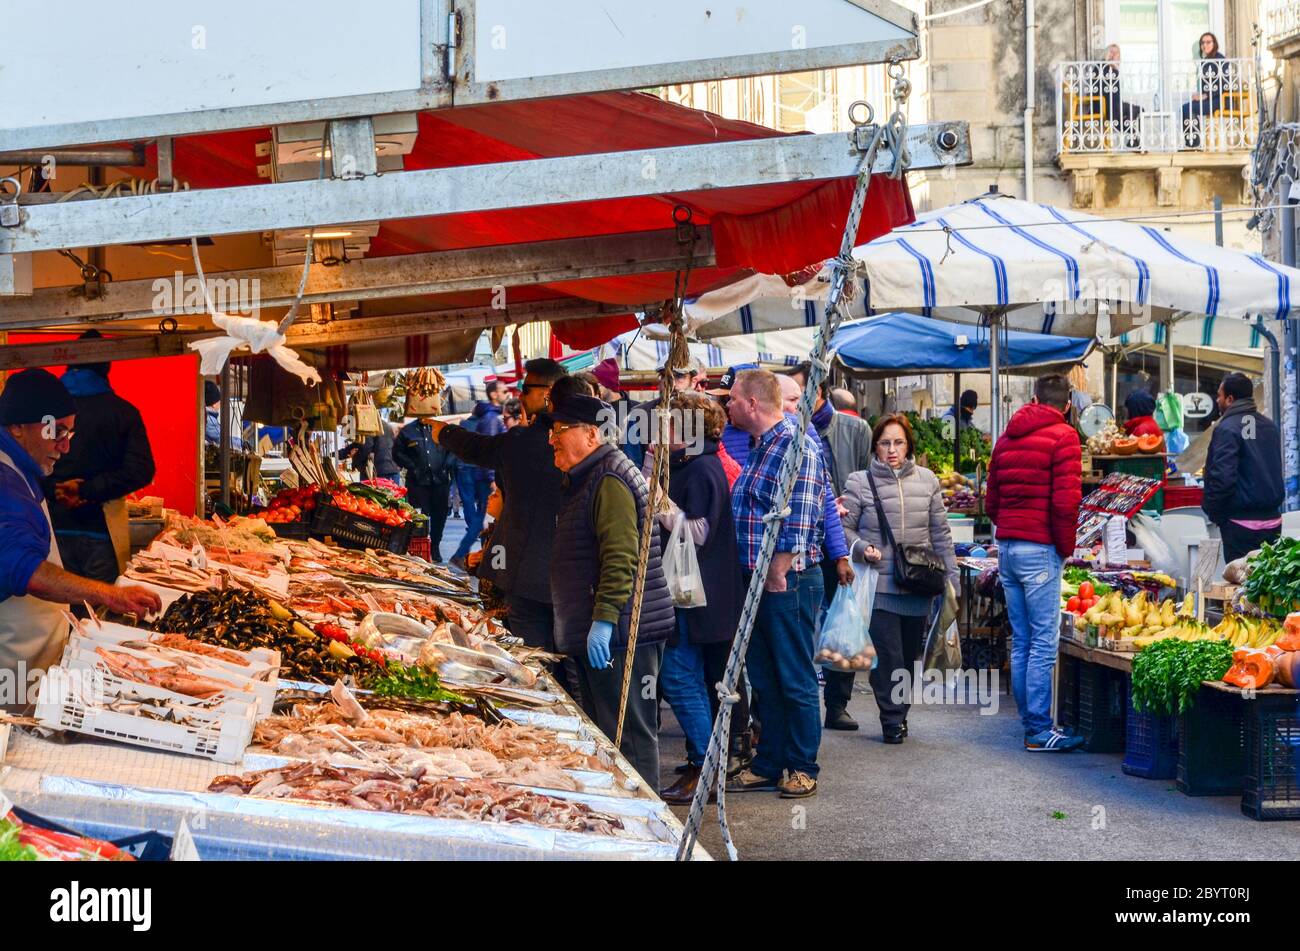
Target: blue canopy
(909, 344)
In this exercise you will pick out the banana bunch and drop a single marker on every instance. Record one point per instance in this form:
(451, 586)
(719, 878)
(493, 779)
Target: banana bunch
(1242, 631)
(1142, 620)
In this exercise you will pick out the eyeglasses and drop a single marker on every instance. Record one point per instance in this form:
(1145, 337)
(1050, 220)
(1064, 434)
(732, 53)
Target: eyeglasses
(524, 388)
(559, 429)
(62, 433)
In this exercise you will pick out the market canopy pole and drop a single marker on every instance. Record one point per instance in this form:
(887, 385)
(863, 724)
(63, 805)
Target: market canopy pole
(530, 183)
(434, 272)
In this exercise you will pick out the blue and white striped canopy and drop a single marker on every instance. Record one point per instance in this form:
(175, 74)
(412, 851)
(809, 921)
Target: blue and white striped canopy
(1047, 270)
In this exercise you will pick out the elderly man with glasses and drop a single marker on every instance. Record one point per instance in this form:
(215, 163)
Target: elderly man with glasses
(603, 506)
(37, 415)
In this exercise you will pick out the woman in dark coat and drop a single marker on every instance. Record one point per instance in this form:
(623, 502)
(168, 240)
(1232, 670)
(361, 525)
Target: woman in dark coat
(696, 657)
(1216, 76)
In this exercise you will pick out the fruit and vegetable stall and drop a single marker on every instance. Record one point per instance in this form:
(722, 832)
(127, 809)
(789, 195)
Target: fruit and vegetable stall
(1207, 701)
(298, 699)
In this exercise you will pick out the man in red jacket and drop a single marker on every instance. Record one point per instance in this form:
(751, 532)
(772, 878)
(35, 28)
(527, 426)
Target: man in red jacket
(1034, 490)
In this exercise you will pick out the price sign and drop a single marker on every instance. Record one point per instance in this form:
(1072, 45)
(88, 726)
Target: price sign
(183, 847)
(1197, 405)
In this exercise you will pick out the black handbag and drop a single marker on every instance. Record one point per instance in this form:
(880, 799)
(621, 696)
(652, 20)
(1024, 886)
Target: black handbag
(918, 569)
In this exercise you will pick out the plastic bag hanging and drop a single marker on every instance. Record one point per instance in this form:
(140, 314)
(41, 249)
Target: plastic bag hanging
(844, 643)
(681, 568)
(864, 591)
(943, 643)
(260, 336)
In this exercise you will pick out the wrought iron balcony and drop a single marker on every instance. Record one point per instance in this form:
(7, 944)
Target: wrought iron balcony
(1200, 106)
(1281, 21)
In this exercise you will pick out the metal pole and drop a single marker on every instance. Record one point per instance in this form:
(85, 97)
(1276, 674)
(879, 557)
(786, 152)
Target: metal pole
(224, 450)
(1288, 364)
(1218, 221)
(956, 402)
(995, 365)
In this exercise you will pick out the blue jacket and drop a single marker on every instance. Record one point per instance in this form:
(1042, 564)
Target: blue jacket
(426, 463)
(23, 526)
(486, 421)
(736, 442)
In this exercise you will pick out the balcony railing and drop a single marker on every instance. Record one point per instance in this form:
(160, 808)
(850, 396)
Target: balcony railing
(1200, 105)
(1281, 21)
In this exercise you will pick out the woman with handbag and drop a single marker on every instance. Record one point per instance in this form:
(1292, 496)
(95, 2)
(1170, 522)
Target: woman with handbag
(896, 522)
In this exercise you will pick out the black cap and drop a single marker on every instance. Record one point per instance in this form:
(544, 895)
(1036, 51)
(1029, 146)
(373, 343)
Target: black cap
(211, 393)
(575, 408)
(728, 379)
(32, 396)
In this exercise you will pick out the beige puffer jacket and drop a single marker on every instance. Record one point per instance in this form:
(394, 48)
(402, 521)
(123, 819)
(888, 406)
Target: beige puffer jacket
(916, 516)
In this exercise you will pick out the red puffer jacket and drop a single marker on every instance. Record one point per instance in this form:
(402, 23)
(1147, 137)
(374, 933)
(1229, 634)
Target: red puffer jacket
(1036, 479)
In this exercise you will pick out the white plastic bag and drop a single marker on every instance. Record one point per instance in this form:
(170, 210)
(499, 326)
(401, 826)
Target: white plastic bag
(844, 643)
(682, 568)
(864, 591)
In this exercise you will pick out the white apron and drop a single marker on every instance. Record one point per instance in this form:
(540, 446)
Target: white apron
(32, 631)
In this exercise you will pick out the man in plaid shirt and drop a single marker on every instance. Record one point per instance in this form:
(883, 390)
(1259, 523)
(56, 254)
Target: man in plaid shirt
(780, 657)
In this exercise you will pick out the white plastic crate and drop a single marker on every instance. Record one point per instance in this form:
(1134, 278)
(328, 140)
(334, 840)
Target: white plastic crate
(80, 653)
(220, 731)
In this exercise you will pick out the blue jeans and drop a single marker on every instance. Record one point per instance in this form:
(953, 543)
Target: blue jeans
(474, 494)
(780, 665)
(682, 680)
(1031, 578)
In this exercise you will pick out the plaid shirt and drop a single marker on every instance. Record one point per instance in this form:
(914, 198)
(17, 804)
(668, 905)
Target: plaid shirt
(755, 492)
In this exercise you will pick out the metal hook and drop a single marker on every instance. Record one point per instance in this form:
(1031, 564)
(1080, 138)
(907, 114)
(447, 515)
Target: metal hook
(18, 188)
(168, 325)
(871, 113)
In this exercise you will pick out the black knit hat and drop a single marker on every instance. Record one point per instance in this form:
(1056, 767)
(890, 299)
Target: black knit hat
(32, 396)
(211, 393)
(575, 408)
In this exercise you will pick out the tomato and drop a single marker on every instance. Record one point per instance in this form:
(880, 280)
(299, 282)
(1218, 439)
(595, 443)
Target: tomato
(1073, 605)
(1086, 590)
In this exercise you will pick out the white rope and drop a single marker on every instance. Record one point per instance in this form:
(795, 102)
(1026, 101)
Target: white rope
(891, 134)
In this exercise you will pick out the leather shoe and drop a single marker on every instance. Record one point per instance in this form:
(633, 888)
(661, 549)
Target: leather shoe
(682, 792)
(893, 734)
(840, 720)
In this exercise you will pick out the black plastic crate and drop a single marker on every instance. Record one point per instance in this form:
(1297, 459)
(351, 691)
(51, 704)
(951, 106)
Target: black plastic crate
(1150, 743)
(356, 531)
(1212, 745)
(1067, 690)
(1103, 703)
(1271, 789)
(298, 531)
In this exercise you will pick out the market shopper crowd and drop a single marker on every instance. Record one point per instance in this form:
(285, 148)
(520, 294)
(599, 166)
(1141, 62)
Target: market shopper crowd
(568, 485)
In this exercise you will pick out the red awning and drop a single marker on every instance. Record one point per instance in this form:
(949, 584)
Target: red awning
(771, 228)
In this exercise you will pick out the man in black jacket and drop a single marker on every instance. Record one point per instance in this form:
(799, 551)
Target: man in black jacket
(108, 459)
(1243, 471)
(519, 559)
(429, 469)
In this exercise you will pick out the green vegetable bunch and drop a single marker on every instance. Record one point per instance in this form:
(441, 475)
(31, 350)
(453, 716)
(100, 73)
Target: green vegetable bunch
(1167, 674)
(934, 440)
(414, 683)
(1274, 582)
(1071, 578)
(11, 850)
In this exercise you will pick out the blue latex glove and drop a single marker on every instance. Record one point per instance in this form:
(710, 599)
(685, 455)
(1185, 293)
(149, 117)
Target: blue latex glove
(598, 644)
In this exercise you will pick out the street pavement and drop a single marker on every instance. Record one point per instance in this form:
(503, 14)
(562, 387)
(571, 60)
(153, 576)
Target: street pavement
(963, 787)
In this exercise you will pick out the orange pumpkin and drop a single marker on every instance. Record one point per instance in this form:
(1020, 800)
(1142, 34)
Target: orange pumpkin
(1287, 667)
(1290, 639)
(1124, 446)
(1151, 443)
(1251, 668)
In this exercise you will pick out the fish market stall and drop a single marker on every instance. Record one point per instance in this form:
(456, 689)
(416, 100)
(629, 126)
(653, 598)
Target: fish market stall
(301, 700)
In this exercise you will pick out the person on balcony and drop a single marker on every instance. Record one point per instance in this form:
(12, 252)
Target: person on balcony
(1214, 77)
(1125, 116)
